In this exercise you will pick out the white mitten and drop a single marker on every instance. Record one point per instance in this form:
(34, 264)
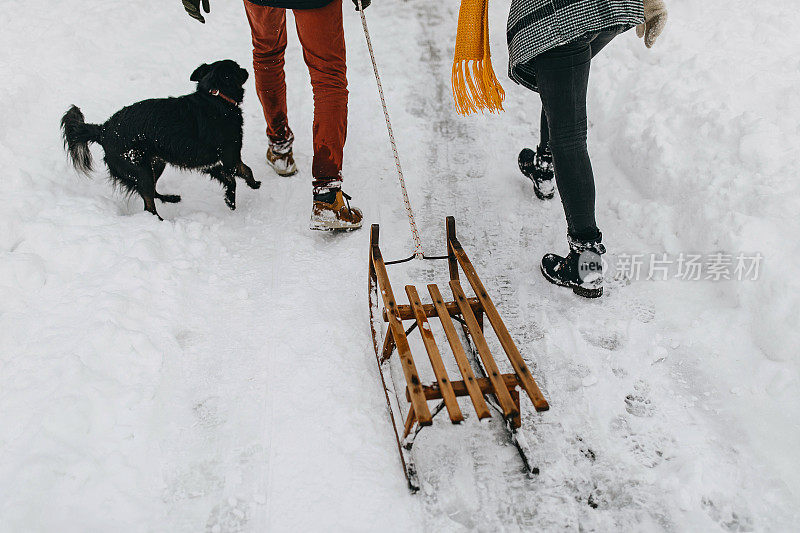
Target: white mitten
(655, 18)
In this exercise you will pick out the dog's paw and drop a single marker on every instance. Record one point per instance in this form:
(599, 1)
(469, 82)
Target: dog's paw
(254, 184)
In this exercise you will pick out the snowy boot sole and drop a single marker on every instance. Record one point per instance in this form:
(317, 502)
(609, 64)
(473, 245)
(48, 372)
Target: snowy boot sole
(290, 171)
(543, 191)
(332, 225)
(586, 292)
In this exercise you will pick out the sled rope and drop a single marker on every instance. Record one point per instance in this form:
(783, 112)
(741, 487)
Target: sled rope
(411, 220)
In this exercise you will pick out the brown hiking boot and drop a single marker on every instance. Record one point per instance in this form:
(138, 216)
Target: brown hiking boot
(281, 162)
(332, 211)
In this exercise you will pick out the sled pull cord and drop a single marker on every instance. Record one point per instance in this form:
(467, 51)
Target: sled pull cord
(411, 220)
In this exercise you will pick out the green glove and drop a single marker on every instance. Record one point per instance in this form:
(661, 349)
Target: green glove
(193, 8)
(655, 18)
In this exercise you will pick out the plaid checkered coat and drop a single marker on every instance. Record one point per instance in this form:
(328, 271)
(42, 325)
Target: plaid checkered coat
(535, 26)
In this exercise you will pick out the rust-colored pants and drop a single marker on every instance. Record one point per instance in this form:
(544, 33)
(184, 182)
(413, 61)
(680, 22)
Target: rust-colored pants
(322, 36)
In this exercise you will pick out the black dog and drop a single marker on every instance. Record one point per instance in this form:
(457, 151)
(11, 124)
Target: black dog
(202, 130)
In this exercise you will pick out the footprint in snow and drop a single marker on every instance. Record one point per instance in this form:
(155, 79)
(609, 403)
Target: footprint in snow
(587, 451)
(576, 376)
(638, 405)
(230, 516)
(650, 448)
(604, 336)
(728, 516)
(619, 372)
(208, 413)
(198, 480)
(638, 402)
(644, 312)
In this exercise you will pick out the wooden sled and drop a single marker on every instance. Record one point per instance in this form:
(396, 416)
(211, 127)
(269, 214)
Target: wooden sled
(485, 385)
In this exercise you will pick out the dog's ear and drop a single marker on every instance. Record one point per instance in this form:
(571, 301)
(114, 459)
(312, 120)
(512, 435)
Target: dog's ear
(199, 72)
(243, 75)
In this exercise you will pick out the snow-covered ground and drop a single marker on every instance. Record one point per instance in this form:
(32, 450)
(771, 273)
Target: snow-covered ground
(214, 372)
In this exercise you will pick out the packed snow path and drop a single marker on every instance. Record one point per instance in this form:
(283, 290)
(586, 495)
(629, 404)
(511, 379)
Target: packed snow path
(215, 372)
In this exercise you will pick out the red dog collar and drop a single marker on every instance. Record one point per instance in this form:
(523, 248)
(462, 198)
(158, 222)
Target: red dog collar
(215, 92)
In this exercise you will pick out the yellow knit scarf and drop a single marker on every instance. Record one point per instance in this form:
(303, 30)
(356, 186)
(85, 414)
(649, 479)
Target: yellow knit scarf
(475, 87)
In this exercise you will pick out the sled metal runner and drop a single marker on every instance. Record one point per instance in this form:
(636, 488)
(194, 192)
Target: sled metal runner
(485, 385)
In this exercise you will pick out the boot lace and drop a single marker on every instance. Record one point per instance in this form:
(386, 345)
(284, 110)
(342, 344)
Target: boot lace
(544, 158)
(347, 199)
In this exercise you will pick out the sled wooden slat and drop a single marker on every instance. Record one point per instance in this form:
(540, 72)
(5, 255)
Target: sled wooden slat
(418, 401)
(493, 373)
(437, 364)
(432, 391)
(515, 422)
(526, 379)
(470, 383)
(410, 419)
(388, 346)
(407, 313)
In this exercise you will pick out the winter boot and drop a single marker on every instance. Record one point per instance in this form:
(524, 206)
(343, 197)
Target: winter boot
(538, 167)
(331, 210)
(581, 270)
(279, 157)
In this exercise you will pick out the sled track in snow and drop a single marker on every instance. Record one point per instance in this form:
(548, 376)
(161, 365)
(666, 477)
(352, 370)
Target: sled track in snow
(482, 486)
(485, 485)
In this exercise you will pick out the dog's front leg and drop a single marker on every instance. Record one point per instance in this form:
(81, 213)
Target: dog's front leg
(230, 194)
(226, 178)
(232, 160)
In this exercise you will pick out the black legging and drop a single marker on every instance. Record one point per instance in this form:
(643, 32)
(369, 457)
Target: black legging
(562, 77)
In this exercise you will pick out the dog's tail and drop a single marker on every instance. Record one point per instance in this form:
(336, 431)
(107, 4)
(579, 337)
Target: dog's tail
(77, 136)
